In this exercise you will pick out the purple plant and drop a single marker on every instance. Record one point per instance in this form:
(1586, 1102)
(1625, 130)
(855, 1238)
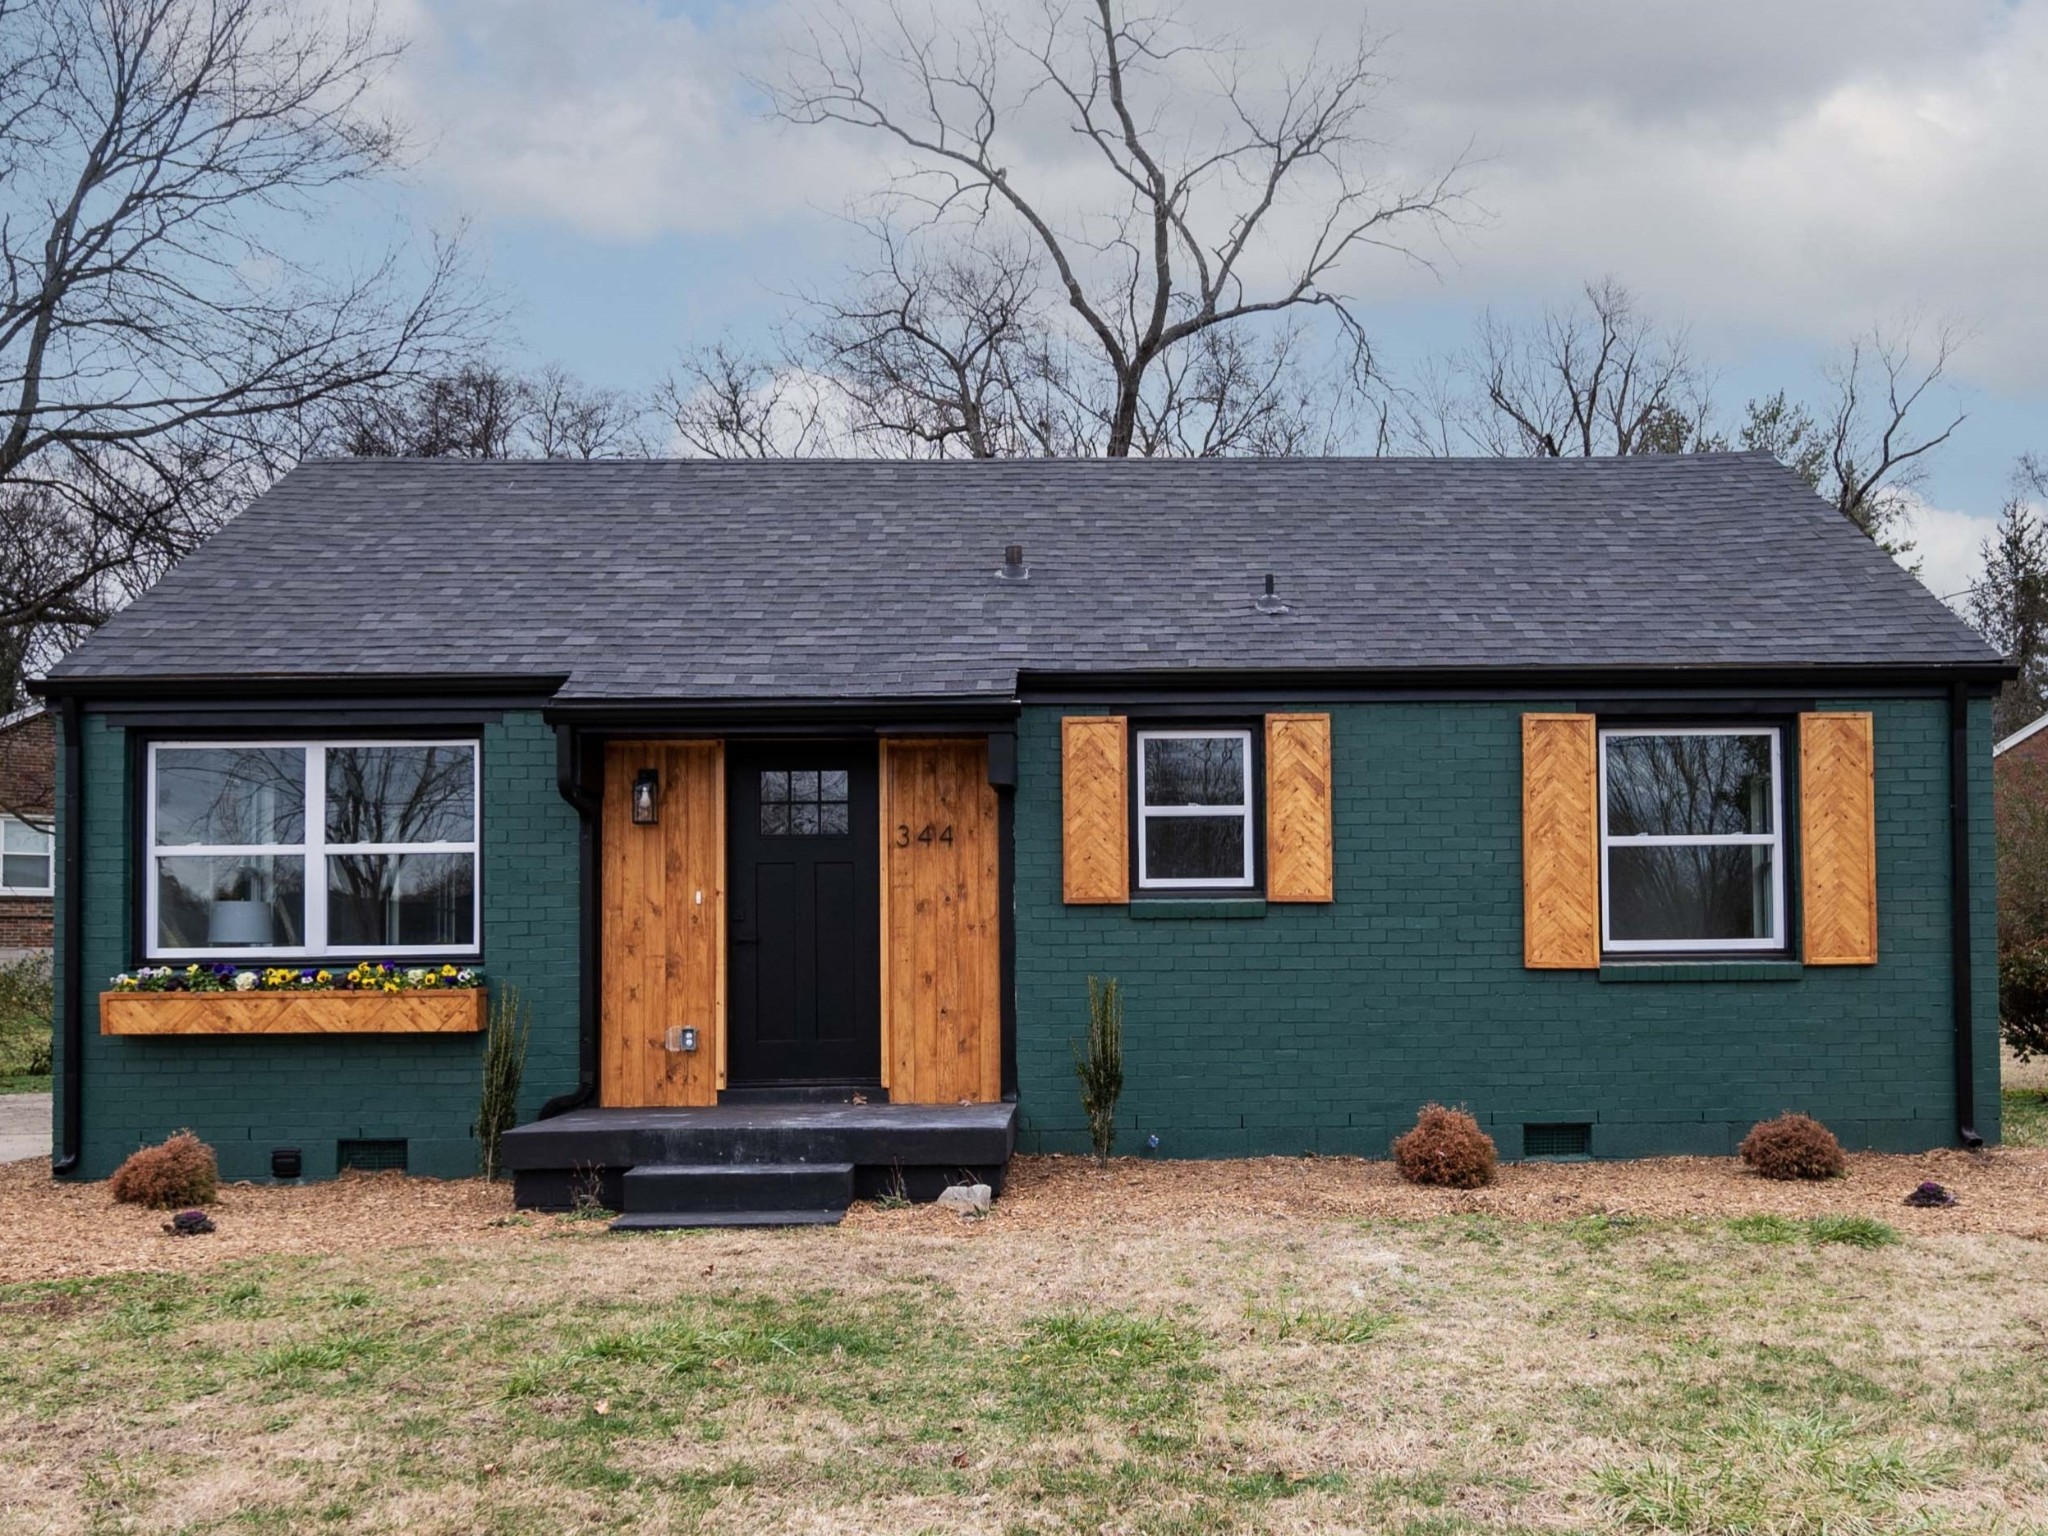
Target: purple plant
(1931, 1195)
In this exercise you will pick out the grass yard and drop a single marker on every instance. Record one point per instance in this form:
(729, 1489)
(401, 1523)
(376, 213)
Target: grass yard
(1160, 1349)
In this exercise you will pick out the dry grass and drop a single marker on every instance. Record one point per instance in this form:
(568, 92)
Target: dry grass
(1277, 1345)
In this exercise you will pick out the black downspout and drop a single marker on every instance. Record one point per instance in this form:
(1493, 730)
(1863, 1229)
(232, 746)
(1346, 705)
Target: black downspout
(1961, 941)
(73, 937)
(569, 780)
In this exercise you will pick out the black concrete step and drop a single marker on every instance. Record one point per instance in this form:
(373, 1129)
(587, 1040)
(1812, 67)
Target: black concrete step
(670, 1221)
(714, 1188)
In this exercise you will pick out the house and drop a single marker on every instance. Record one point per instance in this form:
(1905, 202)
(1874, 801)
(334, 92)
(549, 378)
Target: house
(1626, 802)
(2025, 750)
(28, 795)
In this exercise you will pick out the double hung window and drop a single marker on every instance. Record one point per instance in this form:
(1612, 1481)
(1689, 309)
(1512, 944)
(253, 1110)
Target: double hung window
(305, 849)
(27, 861)
(1194, 810)
(1692, 839)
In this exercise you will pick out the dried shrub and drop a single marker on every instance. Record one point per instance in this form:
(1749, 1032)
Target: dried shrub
(178, 1172)
(1446, 1147)
(1794, 1147)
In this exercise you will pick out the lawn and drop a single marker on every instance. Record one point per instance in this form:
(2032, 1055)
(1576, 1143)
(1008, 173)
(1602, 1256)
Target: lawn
(1132, 1360)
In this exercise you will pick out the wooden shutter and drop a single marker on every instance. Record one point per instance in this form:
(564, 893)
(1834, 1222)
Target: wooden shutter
(1560, 842)
(1299, 864)
(1838, 838)
(1095, 859)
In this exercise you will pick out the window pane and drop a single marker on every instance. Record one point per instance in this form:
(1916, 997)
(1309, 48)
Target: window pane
(1194, 848)
(230, 795)
(20, 837)
(401, 794)
(774, 820)
(378, 899)
(774, 788)
(249, 901)
(832, 785)
(25, 871)
(803, 785)
(803, 819)
(1198, 770)
(1675, 786)
(832, 818)
(1674, 893)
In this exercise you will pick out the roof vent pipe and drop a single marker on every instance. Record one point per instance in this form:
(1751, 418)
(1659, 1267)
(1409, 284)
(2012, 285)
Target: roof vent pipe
(1013, 567)
(1269, 600)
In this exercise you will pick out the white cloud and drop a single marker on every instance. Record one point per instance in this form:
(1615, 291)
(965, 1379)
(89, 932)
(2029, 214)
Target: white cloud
(1948, 549)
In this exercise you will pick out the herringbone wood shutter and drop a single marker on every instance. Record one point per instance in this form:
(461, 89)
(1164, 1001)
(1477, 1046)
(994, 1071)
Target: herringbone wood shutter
(1560, 842)
(1095, 860)
(1299, 865)
(1838, 838)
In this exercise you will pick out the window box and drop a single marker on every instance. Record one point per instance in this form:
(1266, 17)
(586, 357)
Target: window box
(434, 1011)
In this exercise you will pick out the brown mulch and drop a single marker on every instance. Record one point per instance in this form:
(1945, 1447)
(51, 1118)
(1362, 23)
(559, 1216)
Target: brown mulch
(51, 1230)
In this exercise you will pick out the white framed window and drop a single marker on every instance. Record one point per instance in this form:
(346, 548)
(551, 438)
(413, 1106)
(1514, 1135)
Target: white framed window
(1195, 810)
(298, 849)
(28, 860)
(1692, 839)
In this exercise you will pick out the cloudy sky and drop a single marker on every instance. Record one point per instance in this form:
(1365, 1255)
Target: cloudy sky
(1776, 176)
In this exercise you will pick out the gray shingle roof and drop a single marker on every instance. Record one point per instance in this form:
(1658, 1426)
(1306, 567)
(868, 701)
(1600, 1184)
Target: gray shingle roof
(838, 578)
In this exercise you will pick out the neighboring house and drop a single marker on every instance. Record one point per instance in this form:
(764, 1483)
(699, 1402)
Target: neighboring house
(28, 800)
(1624, 801)
(2025, 750)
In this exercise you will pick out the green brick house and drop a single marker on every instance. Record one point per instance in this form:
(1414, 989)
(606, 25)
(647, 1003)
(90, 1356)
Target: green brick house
(1625, 802)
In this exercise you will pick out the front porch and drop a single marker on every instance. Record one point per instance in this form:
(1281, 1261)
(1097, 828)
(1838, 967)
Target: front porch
(754, 1164)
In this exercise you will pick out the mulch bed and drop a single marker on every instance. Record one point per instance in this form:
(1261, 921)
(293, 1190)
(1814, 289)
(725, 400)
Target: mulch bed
(51, 1230)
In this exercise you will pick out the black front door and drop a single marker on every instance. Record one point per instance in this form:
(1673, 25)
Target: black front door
(805, 920)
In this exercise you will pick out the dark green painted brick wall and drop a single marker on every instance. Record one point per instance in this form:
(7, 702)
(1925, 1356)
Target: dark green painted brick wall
(245, 1096)
(1321, 1029)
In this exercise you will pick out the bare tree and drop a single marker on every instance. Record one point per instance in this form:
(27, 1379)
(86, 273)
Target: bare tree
(1596, 378)
(1190, 212)
(155, 322)
(719, 402)
(572, 420)
(1875, 451)
(2009, 605)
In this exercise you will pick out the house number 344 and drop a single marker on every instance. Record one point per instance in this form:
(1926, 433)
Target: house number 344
(928, 833)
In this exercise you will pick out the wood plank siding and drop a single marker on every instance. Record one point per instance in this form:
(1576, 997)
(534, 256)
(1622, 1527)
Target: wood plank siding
(941, 924)
(662, 947)
(453, 1012)
(1560, 842)
(1838, 833)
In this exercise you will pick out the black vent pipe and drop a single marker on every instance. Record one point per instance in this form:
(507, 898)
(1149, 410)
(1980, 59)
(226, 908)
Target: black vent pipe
(71, 833)
(569, 780)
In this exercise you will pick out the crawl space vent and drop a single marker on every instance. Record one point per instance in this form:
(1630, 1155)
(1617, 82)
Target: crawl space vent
(1573, 1140)
(370, 1156)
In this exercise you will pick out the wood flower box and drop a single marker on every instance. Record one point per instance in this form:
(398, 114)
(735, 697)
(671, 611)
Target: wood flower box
(455, 1011)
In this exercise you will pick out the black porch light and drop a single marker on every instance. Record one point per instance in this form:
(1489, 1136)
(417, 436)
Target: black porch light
(647, 797)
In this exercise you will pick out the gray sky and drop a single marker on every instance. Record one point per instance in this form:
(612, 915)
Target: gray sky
(1777, 176)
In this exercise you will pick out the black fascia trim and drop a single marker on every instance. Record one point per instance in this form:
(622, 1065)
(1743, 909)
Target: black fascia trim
(302, 686)
(394, 718)
(1239, 686)
(575, 758)
(72, 1026)
(740, 718)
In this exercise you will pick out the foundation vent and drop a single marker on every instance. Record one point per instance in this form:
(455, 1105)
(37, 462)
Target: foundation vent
(370, 1156)
(1574, 1139)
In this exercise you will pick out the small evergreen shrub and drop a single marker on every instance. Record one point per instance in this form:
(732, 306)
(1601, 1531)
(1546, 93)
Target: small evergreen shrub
(1794, 1147)
(177, 1172)
(505, 1041)
(1101, 1067)
(1446, 1147)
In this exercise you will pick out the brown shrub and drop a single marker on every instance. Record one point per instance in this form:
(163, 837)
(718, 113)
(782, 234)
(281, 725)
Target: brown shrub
(1794, 1147)
(180, 1171)
(1446, 1147)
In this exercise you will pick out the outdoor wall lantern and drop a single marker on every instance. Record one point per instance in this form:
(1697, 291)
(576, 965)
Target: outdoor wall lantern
(647, 797)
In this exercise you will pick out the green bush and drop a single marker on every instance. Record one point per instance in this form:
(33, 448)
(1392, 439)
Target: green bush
(2023, 997)
(25, 1009)
(1101, 1067)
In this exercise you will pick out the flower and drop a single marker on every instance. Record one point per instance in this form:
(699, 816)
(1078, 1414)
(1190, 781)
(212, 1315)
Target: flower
(245, 982)
(447, 970)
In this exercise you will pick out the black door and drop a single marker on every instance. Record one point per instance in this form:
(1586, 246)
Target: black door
(805, 919)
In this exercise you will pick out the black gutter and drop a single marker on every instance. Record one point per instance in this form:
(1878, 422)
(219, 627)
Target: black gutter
(576, 790)
(274, 685)
(72, 1023)
(1961, 939)
(1254, 683)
